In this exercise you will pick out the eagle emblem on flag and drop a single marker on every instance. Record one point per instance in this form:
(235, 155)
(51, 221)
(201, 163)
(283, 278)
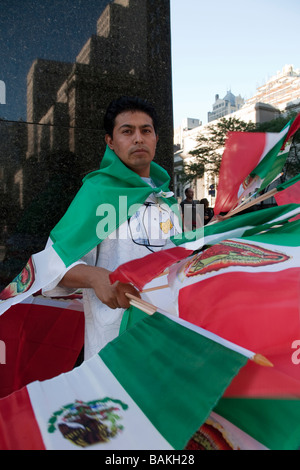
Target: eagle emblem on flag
(87, 423)
(21, 283)
(231, 253)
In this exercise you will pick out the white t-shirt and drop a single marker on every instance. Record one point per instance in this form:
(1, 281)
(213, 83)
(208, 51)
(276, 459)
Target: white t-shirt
(146, 231)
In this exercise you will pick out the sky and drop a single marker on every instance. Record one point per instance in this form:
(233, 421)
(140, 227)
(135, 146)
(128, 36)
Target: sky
(232, 45)
(216, 46)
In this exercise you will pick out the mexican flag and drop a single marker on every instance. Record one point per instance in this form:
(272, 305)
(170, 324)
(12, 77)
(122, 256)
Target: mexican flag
(250, 162)
(246, 290)
(151, 268)
(147, 389)
(249, 289)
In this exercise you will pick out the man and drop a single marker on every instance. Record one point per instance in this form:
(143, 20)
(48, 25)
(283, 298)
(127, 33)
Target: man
(208, 211)
(190, 211)
(127, 169)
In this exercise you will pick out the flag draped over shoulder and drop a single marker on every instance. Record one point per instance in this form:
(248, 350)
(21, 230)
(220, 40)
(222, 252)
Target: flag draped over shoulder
(145, 390)
(246, 289)
(76, 233)
(250, 162)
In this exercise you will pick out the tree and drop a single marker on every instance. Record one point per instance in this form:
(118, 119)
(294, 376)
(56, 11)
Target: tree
(210, 145)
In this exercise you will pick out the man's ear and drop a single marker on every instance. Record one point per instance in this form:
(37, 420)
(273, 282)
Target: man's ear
(109, 141)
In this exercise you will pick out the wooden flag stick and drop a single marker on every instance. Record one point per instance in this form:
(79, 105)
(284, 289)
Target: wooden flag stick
(253, 185)
(141, 304)
(151, 309)
(249, 204)
(142, 307)
(166, 271)
(250, 197)
(151, 289)
(262, 360)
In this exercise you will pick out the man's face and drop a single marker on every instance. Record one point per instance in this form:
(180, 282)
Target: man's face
(190, 194)
(134, 141)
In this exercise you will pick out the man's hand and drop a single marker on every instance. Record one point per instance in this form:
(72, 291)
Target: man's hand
(112, 295)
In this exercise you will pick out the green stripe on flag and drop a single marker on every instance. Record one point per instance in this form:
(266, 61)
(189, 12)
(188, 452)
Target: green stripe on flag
(288, 183)
(174, 375)
(273, 422)
(287, 235)
(275, 170)
(76, 233)
(130, 317)
(268, 162)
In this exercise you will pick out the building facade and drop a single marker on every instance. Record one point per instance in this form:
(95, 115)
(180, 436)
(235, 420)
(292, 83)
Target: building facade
(228, 105)
(279, 90)
(279, 95)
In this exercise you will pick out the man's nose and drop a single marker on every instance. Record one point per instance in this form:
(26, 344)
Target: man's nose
(138, 137)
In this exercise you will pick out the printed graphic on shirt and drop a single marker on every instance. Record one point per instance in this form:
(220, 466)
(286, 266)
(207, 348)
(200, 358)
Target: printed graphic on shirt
(152, 224)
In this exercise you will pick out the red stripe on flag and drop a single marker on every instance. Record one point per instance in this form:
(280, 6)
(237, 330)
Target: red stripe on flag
(41, 342)
(293, 129)
(259, 311)
(290, 195)
(140, 272)
(241, 155)
(261, 382)
(18, 427)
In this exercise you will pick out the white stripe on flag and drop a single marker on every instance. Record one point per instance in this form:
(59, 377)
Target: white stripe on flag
(89, 382)
(47, 267)
(271, 140)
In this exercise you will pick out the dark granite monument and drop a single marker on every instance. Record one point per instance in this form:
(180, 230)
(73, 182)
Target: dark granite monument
(63, 138)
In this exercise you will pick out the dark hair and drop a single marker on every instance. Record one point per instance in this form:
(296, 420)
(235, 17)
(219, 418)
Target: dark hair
(204, 201)
(128, 103)
(188, 189)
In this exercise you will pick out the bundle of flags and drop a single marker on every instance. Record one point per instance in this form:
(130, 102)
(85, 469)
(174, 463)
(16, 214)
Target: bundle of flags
(147, 389)
(239, 278)
(221, 302)
(245, 290)
(250, 162)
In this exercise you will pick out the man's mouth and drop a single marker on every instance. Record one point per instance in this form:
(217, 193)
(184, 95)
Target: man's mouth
(139, 150)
